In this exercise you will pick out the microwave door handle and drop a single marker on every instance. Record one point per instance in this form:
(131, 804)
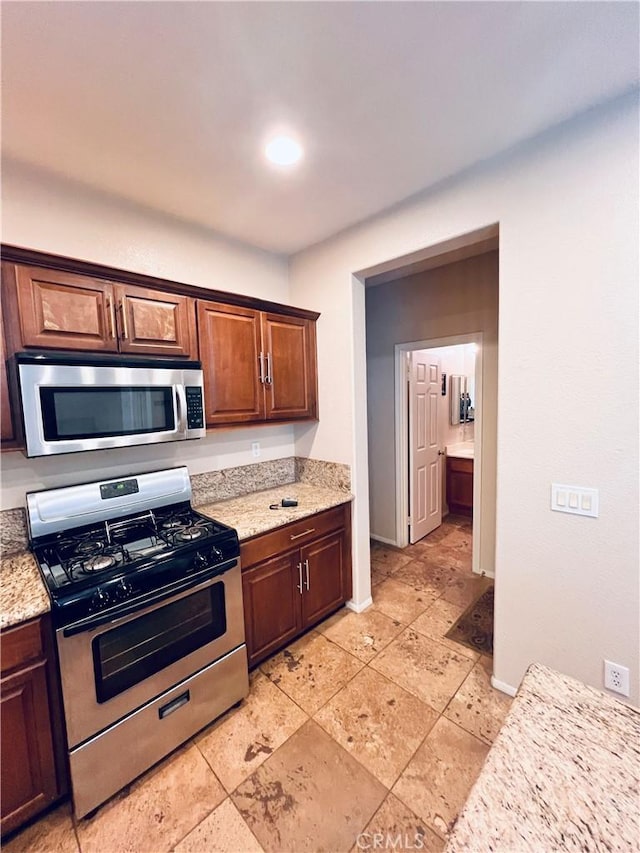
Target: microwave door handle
(181, 410)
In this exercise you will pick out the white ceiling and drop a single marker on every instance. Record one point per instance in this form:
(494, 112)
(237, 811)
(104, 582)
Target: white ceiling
(167, 103)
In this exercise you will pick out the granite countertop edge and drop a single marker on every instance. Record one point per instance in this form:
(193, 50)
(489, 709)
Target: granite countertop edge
(563, 773)
(251, 514)
(23, 595)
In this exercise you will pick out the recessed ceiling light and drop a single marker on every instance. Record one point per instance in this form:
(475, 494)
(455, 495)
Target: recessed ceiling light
(283, 151)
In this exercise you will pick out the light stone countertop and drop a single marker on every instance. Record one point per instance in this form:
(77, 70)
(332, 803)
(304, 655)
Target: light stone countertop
(23, 594)
(462, 450)
(250, 514)
(562, 775)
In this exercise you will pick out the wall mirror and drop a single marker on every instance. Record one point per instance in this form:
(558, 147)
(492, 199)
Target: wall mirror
(461, 391)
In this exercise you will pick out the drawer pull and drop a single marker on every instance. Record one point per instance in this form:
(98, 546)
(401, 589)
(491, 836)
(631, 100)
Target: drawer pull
(306, 533)
(172, 706)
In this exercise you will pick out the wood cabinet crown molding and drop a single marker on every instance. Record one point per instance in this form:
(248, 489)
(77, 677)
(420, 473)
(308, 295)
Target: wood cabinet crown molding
(32, 257)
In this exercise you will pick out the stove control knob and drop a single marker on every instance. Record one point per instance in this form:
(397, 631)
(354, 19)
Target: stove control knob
(216, 554)
(199, 561)
(99, 600)
(123, 590)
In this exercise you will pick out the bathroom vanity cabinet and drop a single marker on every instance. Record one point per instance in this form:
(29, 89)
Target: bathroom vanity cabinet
(460, 485)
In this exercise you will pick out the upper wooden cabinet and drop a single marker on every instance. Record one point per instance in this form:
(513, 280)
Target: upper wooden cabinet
(258, 357)
(64, 311)
(155, 322)
(67, 311)
(289, 345)
(230, 351)
(257, 365)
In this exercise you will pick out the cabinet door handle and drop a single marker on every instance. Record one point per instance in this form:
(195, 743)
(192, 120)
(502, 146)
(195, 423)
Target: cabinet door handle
(300, 578)
(268, 380)
(306, 569)
(111, 314)
(261, 366)
(305, 533)
(125, 331)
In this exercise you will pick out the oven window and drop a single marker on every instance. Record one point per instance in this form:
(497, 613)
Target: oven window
(130, 653)
(96, 412)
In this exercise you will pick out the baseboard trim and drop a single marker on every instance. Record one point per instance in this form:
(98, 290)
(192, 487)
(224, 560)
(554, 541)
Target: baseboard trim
(358, 608)
(382, 539)
(503, 687)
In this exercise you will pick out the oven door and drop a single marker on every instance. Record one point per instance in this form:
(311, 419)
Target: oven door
(111, 669)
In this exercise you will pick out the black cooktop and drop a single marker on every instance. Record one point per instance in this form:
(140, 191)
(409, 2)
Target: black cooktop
(98, 566)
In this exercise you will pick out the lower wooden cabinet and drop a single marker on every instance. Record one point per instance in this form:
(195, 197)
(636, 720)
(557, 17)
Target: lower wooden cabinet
(293, 577)
(33, 765)
(460, 485)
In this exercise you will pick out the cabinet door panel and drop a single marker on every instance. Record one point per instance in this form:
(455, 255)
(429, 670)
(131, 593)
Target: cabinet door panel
(28, 768)
(230, 349)
(155, 322)
(460, 486)
(271, 605)
(290, 343)
(64, 310)
(323, 577)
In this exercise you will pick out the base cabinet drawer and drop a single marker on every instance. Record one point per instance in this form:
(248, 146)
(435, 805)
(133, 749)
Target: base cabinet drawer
(288, 592)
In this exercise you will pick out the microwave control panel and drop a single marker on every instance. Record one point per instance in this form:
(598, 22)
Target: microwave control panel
(195, 411)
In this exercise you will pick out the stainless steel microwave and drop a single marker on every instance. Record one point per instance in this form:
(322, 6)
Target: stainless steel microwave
(71, 403)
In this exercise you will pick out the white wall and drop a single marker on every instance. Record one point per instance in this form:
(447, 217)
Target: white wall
(454, 299)
(567, 588)
(52, 215)
(454, 361)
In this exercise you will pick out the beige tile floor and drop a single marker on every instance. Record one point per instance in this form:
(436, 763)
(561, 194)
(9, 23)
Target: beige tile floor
(372, 723)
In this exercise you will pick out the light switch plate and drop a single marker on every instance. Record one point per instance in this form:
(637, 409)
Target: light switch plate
(578, 500)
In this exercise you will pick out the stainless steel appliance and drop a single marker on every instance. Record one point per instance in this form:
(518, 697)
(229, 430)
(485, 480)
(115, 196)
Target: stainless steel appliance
(74, 402)
(146, 599)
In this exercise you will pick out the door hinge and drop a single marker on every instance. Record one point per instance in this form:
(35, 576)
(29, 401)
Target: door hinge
(409, 520)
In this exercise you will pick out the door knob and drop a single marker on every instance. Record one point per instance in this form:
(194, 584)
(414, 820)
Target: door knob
(441, 453)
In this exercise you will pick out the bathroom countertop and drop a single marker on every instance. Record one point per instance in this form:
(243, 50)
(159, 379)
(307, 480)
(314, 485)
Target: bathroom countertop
(563, 774)
(250, 514)
(464, 450)
(23, 595)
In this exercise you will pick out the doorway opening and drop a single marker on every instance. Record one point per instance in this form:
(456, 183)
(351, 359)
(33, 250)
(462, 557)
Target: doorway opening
(438, 430)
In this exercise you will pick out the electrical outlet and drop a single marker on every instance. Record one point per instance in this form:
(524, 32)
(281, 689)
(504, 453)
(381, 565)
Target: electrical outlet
(616, 678)
(255, 449)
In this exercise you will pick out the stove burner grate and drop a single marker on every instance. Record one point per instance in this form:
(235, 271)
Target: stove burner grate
(188, 534)
(98, 563)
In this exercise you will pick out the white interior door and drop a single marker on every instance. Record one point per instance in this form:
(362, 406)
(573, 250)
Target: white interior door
(425, 477)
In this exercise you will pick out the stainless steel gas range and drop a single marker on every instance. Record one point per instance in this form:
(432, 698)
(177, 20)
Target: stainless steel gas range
(146, 598)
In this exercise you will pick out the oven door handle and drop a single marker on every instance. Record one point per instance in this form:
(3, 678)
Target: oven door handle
(193, 582)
